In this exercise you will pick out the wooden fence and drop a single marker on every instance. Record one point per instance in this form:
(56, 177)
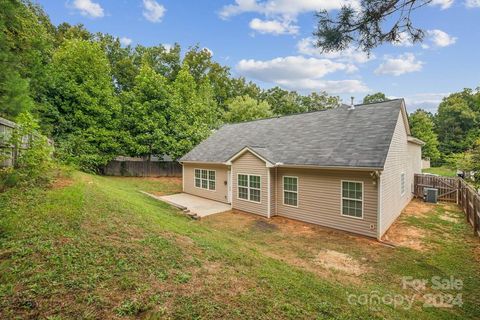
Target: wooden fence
(7, 152)
(143, 168)
(452, 190)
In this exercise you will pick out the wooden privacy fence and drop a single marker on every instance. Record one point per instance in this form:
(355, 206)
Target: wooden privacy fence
(143, 168)
(452, 190)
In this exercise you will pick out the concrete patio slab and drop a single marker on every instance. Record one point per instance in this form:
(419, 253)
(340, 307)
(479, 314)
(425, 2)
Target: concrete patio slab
(200, 206)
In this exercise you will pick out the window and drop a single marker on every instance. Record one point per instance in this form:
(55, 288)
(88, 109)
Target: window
(205, 179)
(290, 191)
(352, 199)
(249, 187)
(402, 183)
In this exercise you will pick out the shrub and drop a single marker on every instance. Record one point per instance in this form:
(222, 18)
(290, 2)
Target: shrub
(32, 157)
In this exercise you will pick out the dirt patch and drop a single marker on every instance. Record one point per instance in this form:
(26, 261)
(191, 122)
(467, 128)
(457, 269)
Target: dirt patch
(61, 182)
(449, 216)
(263, 226)
(290, 226)
(406, 236)
(418, 208)
(335, 260)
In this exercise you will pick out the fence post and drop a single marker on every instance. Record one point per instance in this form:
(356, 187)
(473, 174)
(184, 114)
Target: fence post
(475, 225)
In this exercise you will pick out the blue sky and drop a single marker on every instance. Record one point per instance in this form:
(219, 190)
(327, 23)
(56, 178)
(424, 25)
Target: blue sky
(268, 42)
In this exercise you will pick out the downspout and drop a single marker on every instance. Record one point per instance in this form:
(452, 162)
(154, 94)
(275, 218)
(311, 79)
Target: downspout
(268, 194)
(276, 190)
(183, 178)
(379, 209)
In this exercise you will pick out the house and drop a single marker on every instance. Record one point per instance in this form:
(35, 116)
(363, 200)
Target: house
(348, 168)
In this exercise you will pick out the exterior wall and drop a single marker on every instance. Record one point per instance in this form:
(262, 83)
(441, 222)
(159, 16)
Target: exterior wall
(402, 157)
(415, 158)
(425, 163)
(248, 163)
(221, 189)
(273, 191)
(319, 199)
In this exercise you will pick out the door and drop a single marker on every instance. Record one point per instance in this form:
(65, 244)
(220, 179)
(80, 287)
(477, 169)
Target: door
(229, 186)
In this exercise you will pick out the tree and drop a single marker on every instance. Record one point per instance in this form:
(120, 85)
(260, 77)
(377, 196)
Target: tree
(375, 97)
(193, 112)
(422, 127)
(81, 110)
(369, 25)
(319, 101)
(245, 108)
(144, 115)
(24, 53)
(283, 102)
(457, 121)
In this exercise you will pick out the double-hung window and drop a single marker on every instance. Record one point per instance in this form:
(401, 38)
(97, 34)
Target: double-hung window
(205, 179)
(352, 199)
(249, 187)
(290, 191)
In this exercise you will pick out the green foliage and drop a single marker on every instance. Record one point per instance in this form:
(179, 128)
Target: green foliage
(83, 110)
(375, 97)
(193, 112)
(458, 121)
(245, 109)
(144, 114)
(422, 127)
(32, 155)
(460, 161)
(282, 102)
(24, 51)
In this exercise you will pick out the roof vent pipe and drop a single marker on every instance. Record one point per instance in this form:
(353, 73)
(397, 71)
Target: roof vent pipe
(352, 106)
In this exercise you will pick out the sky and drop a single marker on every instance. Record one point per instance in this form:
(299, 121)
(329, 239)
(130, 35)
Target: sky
(270, 42)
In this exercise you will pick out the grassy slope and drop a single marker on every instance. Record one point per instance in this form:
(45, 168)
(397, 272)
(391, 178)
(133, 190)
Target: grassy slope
(441, 171)
(99, 249)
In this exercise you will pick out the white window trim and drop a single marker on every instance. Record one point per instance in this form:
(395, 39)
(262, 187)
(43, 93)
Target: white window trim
(283, 191)
(208, 180)
(248, 187)
(404, 177)
(341, 199)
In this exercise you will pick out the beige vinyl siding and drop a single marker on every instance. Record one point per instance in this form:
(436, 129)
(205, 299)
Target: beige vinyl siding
(415, 157)
(402, 157)
(272, 191)
(319, 199)
(250, 164)
(221, 190)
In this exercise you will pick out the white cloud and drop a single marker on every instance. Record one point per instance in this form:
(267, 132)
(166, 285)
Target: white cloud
(153, 11)
(472, 3)
(208, 50)
(330, 86)
(307, 47)
(286, 8)
(273, 26)
(88, 8)
(404, 63)
(300, 73)
(281, 15)
(125, 41)
(404, 40)
(426, 101)
(443, 4)
(440, 38)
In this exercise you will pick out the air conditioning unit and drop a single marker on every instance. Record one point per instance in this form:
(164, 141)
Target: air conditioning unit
(430, 195)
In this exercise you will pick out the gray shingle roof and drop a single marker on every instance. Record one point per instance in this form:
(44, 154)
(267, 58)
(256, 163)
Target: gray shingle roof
(332, 138)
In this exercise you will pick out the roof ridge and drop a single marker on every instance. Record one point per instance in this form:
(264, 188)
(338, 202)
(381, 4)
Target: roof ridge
(309, 112)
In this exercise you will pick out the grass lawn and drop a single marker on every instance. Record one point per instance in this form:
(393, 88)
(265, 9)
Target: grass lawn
(441, 171)
(96, 248)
